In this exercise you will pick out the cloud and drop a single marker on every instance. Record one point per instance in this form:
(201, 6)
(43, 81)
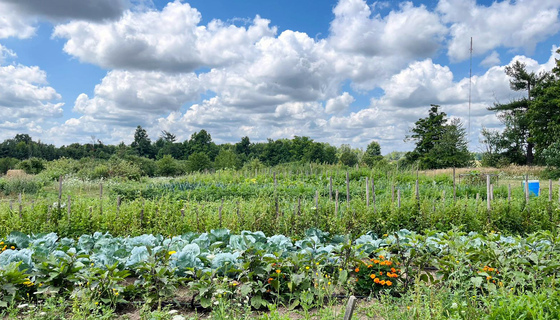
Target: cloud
(26, 100)
(511, 24)
(339, 103)
(13, 24)
(131, 98)
(411, 31)
(168, 40)
(491, 60)
(68, 9)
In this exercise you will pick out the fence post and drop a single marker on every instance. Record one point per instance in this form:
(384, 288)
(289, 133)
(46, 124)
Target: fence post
(347, 187)
(350, 308)
(454, 187)
(367, 193)
(488, 196)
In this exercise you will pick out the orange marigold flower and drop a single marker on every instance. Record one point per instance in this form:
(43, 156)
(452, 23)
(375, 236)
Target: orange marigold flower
(380, 273)
(376, 280)
(369, 266)
(388, 283)
(388, 263)
(381, 257)
(383, 282)
(488, 277)
(357, 269)
(393, 270)
(277, 270)
(372, 276)
(376, 261)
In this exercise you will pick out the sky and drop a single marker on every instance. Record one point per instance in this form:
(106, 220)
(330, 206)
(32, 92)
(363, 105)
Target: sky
(342, 72)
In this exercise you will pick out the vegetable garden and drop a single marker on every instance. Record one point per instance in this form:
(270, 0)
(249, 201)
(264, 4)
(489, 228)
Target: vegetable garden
(296, 241)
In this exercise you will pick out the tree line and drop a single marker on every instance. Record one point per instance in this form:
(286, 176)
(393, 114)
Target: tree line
(167, 156)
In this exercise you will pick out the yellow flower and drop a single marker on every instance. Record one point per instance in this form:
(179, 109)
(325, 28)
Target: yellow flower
(277, 270)
(12, 247)
(317, 263)
(340, 269)
(307, 268)
(172, 252)
(329, 283)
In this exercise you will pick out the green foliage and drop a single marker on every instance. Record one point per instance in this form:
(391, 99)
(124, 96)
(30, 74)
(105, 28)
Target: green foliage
(32, 166)
(348, 158)
(198, 162)
(167, 166)
(227, 159)
(7, 164)
(439, 144)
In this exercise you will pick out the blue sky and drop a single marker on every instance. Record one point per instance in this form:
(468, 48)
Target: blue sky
(343, 72)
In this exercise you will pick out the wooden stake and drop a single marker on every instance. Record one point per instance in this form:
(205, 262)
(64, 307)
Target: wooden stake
(399, 198)
(101, 198)
(367, 193)
(527, 188)
(454, 187)
(417, 189)
(550, 190)
(69, 204)
(373, 194)
(347, 187)
(20, 207)
(392, 194)
(330, 188)
(350, 308)
(220, 212)
(336, 204)
(488, 196)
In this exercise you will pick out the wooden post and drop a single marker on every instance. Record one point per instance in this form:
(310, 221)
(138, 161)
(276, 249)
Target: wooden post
(347, 187)
(142, 212)
(118, 204)
(550, 190)
(275, 181)
(101, 198)
(330, 188)
(527, 188)
(399, 198)
(69, 204)
(476, 203)
(367, 193)
(488, 196)
(350, 308)
(197, 220)
(373, 195)
(392, 194)
(317, 204)
(417, 190)
(443, 196)
(454, 187)
(336, 204)
(20, 207)
(492, 192)
(182, 213)
(220, 212)
(59, 191)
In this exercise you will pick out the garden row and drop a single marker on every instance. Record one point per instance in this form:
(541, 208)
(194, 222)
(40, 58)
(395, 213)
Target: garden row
(220, 268)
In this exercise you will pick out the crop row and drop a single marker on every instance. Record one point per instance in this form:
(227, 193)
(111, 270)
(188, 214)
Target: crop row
(252, 268)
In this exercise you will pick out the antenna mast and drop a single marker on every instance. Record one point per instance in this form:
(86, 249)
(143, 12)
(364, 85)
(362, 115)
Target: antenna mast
(470, 90)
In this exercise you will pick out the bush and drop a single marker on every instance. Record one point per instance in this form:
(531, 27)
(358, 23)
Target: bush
(32, 166)
(7, 164)
(199, 161)
(167, 166)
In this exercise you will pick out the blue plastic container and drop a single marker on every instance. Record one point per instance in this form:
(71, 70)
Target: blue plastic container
(534, 187)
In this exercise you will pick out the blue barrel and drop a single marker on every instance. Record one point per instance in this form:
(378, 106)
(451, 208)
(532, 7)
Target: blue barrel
(534, 187)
